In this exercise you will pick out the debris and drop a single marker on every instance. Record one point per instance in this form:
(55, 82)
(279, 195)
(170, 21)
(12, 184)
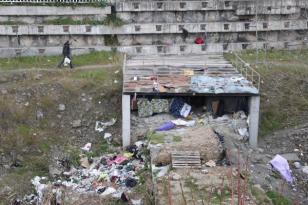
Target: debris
(161, 171)
(243, 132)
(176, 177)
(108, 137)
(281, 165)
(130, 182)
(199, 41)
(136, 202)
(186, 159)
(145, 108)
(36, 181)
(180, 122)
(116, 160)
(179, 108)
(61, 107)
(297, 165)
(101, 126)
(204, 171)
(128, 154)
(30, 199)
(166, 126)
(87, 147)
(84, 162)
(210, 163)
(305, 169)
(39, 114)
(124, 198)
(160, 105)
(76, 123)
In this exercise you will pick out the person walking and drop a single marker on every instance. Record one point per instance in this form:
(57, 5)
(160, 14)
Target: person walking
(67, 56)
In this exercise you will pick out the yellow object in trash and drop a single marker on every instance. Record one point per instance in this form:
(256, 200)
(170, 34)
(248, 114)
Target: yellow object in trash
(128, 154)
(188, 72)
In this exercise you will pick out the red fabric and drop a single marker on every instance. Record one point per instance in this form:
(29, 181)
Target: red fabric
(199, 41)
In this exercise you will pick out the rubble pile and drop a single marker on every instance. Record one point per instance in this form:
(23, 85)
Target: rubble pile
(111, 175)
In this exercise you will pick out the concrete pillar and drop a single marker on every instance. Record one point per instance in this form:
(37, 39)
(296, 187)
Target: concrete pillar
(125, 120)
(254, 108)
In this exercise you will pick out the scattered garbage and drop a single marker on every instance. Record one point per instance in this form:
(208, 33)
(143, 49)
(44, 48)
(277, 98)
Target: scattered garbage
(297, 165)
(108, 137)
(84, 162)
(204, 171)
(281, 165)
(210, 163)
(179, 108)
(101, 126)
(305, 170)
(76, 123)
(61, 107)
(166, 126)
(147, 107)
(243, 132)
(181, 122)
(87, 147)
(109, 175)
(199, 40)
(116, 160)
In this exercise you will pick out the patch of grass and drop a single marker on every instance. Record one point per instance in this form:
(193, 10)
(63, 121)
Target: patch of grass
(99, 75)
(111, 40)
(74, 155)
(32, 62)
(23, 130)
(12, 23)
(177, 138)
(44, 147)
(284, 90)
(113, 20)
(101, 149)
(191, 183)
(70, 21)
(277, 198)
(156, 138)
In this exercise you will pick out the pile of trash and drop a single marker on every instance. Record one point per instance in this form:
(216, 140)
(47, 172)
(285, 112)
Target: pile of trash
(112, 175)
(177, 107)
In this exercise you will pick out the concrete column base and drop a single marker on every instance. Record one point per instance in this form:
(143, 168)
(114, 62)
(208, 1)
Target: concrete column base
(254, 112)
(125, 120)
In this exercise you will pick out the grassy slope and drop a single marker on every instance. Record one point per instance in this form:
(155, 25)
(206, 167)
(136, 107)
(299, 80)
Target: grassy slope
(284, 87)
(33, 139)
(94, 58)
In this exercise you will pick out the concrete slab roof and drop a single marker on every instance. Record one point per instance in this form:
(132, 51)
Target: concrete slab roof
(184, 75)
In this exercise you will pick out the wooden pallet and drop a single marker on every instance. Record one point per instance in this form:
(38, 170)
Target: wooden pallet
(186, 159)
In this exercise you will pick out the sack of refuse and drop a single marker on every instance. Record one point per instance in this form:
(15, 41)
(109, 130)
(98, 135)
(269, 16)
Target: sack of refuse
(67, 61)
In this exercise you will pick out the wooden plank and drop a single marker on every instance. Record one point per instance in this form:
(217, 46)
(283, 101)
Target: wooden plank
(186, 159)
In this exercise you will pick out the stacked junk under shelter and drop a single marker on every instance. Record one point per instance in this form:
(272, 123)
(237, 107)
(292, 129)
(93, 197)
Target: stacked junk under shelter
(188, 108)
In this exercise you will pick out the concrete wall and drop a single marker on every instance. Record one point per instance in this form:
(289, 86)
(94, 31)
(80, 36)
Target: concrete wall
(52, 11)
(153, 49)
(152, 28)
(50, 41)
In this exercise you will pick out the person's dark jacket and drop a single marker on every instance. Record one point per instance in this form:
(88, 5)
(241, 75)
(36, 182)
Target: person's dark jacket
(66, 49)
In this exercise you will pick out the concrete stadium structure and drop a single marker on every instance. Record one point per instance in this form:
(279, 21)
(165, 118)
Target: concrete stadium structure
(154, 27)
